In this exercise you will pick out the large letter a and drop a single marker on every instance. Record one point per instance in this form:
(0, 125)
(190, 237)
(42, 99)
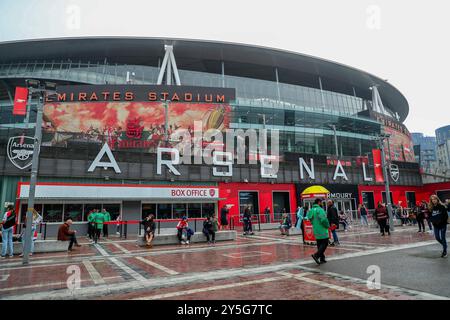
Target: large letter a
(112, 161)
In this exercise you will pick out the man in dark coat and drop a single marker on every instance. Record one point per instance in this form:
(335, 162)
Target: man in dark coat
(333, 219)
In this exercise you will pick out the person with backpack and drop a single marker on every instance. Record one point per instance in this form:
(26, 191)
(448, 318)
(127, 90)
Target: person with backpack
(106, 218)
(333, 219)
(363, 214)
(37, 219)
(320, 224)
(439, 219)
(8, 222)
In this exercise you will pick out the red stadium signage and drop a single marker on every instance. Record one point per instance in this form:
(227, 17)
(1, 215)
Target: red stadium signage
(20, 101)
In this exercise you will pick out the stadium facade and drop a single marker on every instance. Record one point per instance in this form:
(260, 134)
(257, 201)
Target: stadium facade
(110, 93)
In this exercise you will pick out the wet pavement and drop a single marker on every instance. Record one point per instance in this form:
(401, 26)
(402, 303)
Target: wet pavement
(264, 266)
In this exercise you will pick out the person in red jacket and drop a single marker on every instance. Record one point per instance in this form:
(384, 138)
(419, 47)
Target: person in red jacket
(183, 227)
(65, 234)
(382, 218)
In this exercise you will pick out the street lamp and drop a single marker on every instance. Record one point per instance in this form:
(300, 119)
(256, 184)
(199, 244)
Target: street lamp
(42, 90)
(380, 139)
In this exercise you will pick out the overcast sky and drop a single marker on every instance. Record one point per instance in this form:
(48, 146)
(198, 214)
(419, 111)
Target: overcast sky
(406, 42)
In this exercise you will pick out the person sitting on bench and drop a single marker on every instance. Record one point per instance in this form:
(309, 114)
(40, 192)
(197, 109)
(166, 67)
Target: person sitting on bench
(65, 234)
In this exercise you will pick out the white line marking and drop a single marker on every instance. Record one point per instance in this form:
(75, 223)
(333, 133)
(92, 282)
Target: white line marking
(157, 266)
(4, 277)
(121, 248)
(353, 292)
(425, 295)
(213, 288)
(127, 269)
(50, 284)
(247, 254)
(101, 250)
(95, 275)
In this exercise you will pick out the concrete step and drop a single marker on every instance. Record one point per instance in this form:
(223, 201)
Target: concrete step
(42, 246)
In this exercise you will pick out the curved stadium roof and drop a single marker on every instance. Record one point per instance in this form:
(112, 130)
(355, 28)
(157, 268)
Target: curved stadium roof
(206, 56)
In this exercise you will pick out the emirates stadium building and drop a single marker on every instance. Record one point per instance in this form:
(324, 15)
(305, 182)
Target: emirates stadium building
(118, 99)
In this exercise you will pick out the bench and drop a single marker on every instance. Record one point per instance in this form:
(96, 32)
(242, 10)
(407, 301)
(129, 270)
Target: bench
(42, 246)
(294, 232)
(165, 239)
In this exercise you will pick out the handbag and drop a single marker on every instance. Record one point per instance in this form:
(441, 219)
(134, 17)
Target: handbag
(333, 227)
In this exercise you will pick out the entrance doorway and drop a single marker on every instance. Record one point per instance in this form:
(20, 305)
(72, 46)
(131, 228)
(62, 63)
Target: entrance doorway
(280, 202)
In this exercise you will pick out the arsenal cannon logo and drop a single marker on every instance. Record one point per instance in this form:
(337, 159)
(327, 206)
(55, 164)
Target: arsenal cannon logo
(20, 151)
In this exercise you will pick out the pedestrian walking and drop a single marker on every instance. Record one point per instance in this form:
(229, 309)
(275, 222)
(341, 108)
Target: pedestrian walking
(106, 218)
(426, 214)
(267, 214)
(247, 219)
(439, 219)
(65, 234)
(382, 218)
(320, 224)
(363, 214)
(404, 216)
(223, 217)
(333, 219)
(8, 222)
(420, 216)
(37, 219)
(149, 229)
(343, 220)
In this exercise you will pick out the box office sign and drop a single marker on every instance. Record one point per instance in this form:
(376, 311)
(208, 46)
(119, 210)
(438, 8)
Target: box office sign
(68, 191)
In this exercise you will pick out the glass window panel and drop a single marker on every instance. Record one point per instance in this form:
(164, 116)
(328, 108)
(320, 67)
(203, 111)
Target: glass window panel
(23, 210)
(73, 211)
(148, 208)
(194, 210)
(113, 209)
(208, 209)
(53, 212)
(164, 211)
(179, 210)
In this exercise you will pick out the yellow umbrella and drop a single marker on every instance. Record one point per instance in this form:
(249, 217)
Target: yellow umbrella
(315, 192)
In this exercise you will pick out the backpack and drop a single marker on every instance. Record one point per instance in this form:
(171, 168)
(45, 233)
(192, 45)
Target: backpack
(10, 221)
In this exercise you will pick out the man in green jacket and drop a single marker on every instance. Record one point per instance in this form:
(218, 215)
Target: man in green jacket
(98, 224)
(106, 218)
(319, 221)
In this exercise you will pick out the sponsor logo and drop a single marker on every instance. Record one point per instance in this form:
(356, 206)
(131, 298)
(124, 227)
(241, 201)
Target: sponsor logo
(20, 151)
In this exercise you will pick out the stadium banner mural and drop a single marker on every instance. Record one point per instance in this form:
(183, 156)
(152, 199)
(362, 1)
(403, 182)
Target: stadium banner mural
(132, 117)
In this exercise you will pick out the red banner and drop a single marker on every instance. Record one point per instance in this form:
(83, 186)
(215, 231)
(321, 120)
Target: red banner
(377, 165)
(20, 101)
